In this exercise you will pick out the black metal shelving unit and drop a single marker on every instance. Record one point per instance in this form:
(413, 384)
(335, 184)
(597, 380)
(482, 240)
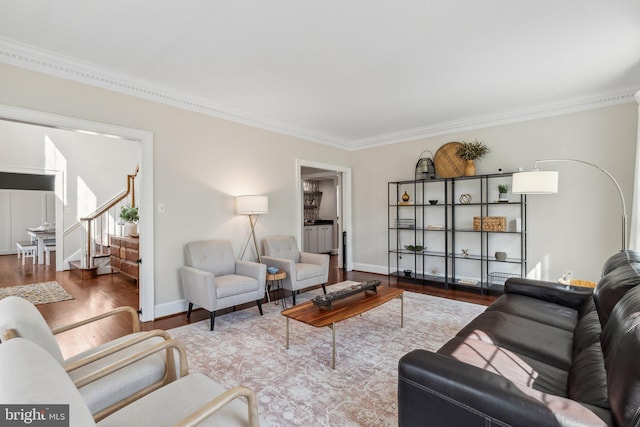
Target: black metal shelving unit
(445, 228)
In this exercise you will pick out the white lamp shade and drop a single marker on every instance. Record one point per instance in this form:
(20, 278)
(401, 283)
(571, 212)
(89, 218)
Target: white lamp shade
(249, 205)
(535, 182)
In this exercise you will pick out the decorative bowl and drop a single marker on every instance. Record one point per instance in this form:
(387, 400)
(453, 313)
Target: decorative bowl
(433, 202)
(407, 273)
(416, 248)
(272, 270)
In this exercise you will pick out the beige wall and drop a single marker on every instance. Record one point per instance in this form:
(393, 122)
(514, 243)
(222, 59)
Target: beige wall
(576, 229)
(201, 163)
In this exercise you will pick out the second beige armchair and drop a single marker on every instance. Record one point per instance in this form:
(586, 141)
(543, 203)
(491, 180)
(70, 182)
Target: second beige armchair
(304, 269)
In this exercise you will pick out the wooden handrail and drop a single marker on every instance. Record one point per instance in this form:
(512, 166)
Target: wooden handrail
(114, 201)
(108, 205)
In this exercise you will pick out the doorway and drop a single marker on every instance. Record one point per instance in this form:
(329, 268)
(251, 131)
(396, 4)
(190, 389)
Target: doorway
(145, 141)
(324, 209)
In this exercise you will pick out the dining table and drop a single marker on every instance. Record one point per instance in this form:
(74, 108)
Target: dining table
(40, 234)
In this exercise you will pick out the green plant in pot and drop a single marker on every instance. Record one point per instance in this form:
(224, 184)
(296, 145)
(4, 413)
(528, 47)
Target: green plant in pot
(502, 192)
(470, 151)
(130, 217)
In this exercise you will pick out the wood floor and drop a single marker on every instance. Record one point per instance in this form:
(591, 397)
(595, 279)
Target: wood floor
(95, 296)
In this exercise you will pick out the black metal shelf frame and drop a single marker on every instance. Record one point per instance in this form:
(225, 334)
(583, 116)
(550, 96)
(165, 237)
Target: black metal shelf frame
(417, 211)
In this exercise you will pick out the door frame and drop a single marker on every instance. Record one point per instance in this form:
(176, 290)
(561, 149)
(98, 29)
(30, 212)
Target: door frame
(145, 140)
(346, 204)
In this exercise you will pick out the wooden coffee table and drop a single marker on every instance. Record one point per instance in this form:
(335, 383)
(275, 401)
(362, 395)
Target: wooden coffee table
(342, 309)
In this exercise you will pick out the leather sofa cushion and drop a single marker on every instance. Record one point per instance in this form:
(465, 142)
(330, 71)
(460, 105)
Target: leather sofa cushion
(542, 342)
(621, 345)
(515, 367)
(612, 287)
(588, 378)
(541, 311)
(587, 332)
(621, 258)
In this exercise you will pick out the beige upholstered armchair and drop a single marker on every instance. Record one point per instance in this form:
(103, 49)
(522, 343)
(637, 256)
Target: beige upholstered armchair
(31, 377)
(213, 279)
(103, 394)
(303, 269)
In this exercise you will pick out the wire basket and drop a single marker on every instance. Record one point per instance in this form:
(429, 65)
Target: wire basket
(498, 277)
(405, 223)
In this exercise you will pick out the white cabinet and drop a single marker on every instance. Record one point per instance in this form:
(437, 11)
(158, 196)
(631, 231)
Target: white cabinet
(311, 238)
(325, 238)
(19, 210)
(318, 238)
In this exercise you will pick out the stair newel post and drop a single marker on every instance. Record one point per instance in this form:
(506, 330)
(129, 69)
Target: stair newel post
(132, 179)
(89, 237)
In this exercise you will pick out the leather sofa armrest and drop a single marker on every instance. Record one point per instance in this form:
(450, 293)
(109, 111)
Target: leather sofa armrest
(568, 296)
(438, 390)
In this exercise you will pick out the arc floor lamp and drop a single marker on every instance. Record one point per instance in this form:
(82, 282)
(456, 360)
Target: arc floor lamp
(546, 182)
(253, 207)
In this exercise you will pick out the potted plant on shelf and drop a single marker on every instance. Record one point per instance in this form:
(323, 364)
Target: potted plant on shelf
(502, 192)
(130, 217)
(470, 151)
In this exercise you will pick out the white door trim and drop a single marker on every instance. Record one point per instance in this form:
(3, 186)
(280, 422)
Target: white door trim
(346, 203)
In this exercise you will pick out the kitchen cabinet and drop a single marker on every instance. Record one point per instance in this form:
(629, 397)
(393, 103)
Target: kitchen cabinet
(311, 238)
(318, 238)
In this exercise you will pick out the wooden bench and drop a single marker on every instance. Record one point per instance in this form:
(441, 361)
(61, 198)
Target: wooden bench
(27, 249)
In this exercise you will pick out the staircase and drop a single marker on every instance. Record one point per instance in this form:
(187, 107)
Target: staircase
(96, 229)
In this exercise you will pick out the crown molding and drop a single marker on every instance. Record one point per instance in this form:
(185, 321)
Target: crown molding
(605, 99)
(40, 60)
(51, 63)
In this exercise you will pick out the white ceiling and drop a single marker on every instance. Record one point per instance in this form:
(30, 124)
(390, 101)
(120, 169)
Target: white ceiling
(348, 73)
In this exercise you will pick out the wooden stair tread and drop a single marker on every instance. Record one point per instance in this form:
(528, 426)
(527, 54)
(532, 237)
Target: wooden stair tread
(86, 273)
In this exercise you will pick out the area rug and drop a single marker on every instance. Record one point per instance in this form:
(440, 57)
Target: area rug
(297, 387)
(38, 293)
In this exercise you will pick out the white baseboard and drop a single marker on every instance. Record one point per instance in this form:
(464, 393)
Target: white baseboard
(169, 308)
(370, 268)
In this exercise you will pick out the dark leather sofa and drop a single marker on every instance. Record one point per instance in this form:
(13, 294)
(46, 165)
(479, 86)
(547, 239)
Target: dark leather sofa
(543, 354)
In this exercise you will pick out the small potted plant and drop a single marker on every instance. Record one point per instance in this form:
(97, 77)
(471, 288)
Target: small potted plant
(130, 217)
(502, 192)
(470, 151)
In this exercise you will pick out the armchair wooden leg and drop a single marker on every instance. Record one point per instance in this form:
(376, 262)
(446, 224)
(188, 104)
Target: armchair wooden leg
(213, 318)
(259, 306)
(324, 289)
(189, 310)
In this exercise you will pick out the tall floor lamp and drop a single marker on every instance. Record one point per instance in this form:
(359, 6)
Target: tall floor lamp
(546, 182)
(253, 207)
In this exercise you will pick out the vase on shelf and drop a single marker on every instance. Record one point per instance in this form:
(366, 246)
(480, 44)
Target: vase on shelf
(405, 197)
(469, 168)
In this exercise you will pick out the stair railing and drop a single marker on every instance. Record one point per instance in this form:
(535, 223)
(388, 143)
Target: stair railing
(99, 224)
